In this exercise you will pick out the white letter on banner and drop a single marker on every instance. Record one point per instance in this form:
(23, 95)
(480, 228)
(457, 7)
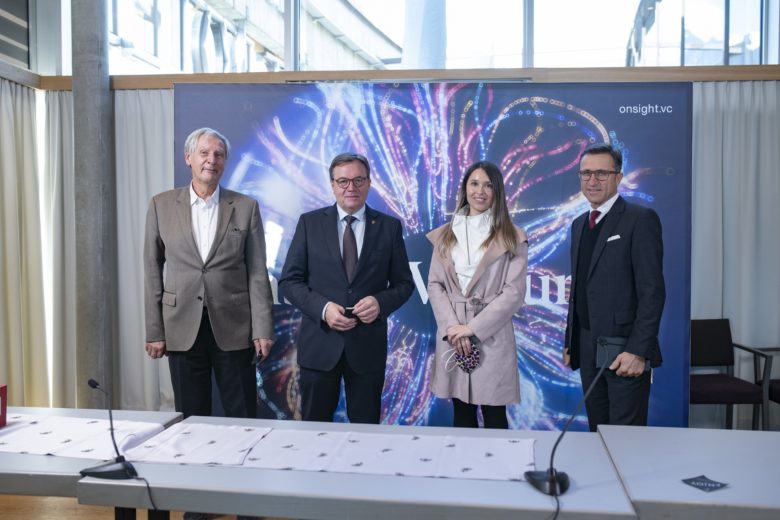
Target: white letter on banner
(418, 281)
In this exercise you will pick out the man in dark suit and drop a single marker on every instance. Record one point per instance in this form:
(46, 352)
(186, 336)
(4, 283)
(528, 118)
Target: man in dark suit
(347, 271)
(617, 290)
(207, 295)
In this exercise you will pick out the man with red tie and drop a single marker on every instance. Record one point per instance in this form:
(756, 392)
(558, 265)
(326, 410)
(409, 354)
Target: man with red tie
(617, 291)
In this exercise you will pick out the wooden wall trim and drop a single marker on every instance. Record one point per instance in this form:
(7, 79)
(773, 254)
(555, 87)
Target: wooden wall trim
(557, 75)
(57, 82)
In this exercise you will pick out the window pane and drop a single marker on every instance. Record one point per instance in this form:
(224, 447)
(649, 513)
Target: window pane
(428, 34)
(771, 41)
(656, 39)
(486, 34)
(573, 33)
(167, 36)
(15, 33)
(148, 36)
(705, 25)
(146, 18)
(262, 35)
(354, 35)
(745, 32)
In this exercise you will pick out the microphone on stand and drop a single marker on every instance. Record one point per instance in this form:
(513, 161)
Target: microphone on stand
(553, 482)
(119, 468)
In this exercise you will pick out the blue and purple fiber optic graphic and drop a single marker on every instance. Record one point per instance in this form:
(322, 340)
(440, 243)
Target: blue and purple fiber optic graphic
(420, 138)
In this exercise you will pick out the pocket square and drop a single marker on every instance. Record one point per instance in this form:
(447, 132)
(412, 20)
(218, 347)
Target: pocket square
(613, 237)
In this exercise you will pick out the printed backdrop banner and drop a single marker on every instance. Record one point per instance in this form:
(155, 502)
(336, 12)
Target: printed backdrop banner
(419, 139)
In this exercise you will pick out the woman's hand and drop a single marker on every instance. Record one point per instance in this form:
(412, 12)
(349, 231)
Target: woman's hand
(459, 336)
(463, 346)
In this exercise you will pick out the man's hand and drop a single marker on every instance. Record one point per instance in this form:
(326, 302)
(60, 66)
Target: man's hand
(367, 309)
(566, 358)
(156, 349)
(263, 346)
(334, 317)
(628, 365)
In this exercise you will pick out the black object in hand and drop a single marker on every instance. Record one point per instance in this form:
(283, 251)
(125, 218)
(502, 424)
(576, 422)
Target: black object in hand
(349, 312)
(609, 348)
(257, 358)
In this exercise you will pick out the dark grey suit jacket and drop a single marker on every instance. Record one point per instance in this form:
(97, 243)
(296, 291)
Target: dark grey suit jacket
(232, 282)
(625, 287)
(314, 274)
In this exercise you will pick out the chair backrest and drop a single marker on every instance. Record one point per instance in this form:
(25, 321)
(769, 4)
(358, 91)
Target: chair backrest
(711, 343)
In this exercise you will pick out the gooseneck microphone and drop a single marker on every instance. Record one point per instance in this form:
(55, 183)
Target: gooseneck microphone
(119, 468)
(553, 482)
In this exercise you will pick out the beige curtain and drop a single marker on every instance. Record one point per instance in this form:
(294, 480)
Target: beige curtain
(60, 229)
(144, 167)
(23, 356)
(736, 220)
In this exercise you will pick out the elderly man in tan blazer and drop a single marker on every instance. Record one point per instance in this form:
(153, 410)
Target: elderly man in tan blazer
(207, 297)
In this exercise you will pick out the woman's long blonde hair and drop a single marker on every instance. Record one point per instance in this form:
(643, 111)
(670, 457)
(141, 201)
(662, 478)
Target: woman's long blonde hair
(501, 228)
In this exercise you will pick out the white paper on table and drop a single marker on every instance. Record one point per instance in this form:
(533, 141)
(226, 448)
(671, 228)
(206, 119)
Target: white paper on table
(128, 434)
(486, 458)
(388, 454)
(17, 435)
(295, 450)
(72, 436)
(194, 443)
(16, 421)
(44, 435)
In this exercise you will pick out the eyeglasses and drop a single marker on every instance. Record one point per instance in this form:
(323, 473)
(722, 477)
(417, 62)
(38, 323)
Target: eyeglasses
(343, 182)
(601, 175)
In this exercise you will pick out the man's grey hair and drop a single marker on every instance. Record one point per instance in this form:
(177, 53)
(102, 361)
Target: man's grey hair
(192, 140)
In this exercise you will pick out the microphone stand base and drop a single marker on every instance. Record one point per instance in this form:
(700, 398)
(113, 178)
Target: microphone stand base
(118, 469)
(549, 482)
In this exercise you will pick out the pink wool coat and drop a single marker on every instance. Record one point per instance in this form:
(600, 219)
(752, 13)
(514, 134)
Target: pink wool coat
(496, 292)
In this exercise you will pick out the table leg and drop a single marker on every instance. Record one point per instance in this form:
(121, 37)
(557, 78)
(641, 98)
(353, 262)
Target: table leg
(124, 513)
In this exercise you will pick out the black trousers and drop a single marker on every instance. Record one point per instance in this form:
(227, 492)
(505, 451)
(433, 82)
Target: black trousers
(615, 399)
(234, 372)
(320, 391)
(465, 415)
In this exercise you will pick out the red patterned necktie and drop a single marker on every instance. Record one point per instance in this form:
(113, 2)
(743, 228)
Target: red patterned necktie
(349, 255)
(592, 220)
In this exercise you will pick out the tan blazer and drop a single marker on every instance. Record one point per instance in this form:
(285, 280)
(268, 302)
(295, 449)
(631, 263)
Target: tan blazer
(232, 282)
(495, 293)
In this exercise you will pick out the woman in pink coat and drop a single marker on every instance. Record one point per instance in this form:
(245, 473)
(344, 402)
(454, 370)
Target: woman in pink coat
(476, 284)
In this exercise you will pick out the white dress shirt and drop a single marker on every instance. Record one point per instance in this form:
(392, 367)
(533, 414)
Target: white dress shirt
(604, 208)
(204, 220)
(358, 227)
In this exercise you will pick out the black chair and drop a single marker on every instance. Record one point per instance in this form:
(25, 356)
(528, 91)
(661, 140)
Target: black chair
(774, 384)
(711, 346)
